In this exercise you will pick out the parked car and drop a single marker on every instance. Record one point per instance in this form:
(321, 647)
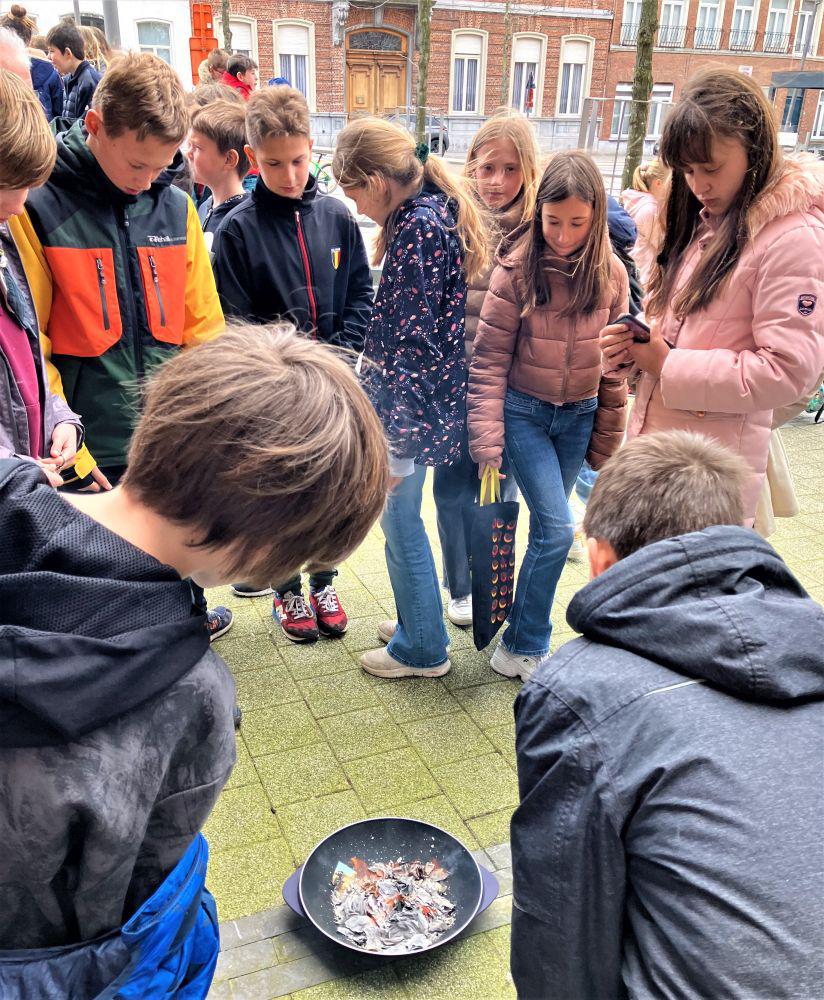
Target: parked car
(435, 129)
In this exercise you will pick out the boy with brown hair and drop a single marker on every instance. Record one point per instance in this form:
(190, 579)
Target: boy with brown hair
(67, 51)
(116, 260)
(116, 717)
(290, 251)
(668, 840)
(242, 74)
(217, 156)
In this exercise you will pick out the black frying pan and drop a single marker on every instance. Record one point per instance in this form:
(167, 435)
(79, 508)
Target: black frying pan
(386, 839)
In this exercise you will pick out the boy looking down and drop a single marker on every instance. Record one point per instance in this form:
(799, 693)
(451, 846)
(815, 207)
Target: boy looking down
(289, 251)
(668, 840)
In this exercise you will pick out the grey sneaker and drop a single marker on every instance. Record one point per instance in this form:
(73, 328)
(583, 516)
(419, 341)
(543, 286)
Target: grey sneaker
(380, 663)
(514, 664)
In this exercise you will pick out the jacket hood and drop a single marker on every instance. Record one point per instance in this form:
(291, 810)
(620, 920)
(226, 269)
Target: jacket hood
(718, 605)
(90, 626)
(798, 187)
(633, 201)
(76, 167)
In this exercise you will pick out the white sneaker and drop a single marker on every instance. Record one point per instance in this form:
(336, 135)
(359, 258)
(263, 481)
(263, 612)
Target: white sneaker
(514, 664)
(459, 611)
(577, 553)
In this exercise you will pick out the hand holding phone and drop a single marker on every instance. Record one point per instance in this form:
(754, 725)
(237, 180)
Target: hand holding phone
(639, 330)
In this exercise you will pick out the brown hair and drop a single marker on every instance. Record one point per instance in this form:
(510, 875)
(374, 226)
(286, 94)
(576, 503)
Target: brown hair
(39, 42)
(646, 173)
(139, 92)
(65, 35)
(715, 102)
(225, 124)
(29, 149)
(240, 64)
(662, 485)
(291, 440)
(276, 111)
(569, 174)
(218, 59)
(515, 128)
(19, 22)
(369, 150)
(207, 93)
(97, 47)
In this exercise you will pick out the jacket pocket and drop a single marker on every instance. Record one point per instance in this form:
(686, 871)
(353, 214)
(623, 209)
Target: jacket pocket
(163, 269)
(85, 320)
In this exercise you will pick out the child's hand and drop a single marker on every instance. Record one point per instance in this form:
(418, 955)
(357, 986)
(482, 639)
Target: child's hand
(54, 477)
(615, 341)
(63, 445)
(650, 357)
(494, 463)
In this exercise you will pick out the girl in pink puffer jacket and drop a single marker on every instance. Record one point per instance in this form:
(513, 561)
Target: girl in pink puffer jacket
(737, 303)
(643, 202)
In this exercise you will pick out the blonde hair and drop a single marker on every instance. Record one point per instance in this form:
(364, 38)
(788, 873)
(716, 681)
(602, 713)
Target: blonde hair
(646, 173)
(515, 128)
(276, 111)
(139, 92)
(293, 437)
(18, 21)
(29, 149)
(370, 149)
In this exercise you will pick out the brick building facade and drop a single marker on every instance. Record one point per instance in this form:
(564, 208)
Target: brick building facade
(361, 56)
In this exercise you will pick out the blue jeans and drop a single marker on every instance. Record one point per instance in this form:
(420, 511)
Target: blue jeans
(546, 445)
(456, 488)
(420, 639)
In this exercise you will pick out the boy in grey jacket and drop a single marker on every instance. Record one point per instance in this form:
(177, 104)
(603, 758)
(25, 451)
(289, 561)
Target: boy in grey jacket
(668, 840)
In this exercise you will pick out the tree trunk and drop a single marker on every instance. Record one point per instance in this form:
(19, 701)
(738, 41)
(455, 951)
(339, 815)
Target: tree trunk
(424, 43)
(506, 57)
(641, 90)
(225, 14)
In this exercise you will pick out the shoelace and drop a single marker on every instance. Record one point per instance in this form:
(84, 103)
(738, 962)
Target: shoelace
(327, 600)
(296, 606)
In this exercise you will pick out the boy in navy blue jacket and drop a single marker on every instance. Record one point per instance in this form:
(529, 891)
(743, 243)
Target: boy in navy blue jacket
(290, 252)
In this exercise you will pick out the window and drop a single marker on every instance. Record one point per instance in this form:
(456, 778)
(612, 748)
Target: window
(629, 25)
(467, 74)
(777, 34)
(294, 49)
(805, 27)
(156, 37)
(671, 30)
(660, 99)
(527, 71)
(708, 25)
(574, 75)
(742, 32)
(792, 110)
(818, 123)
(244, 36)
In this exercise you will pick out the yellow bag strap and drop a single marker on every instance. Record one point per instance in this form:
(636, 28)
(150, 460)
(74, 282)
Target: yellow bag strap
(490, 486)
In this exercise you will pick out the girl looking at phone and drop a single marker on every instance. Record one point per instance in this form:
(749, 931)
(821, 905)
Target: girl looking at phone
(535, 384)
(737, 303)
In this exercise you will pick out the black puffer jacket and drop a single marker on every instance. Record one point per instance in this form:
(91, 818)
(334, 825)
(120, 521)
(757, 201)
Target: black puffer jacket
(80, 87)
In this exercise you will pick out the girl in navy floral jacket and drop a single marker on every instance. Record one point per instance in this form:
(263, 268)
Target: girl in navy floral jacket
(433, 239)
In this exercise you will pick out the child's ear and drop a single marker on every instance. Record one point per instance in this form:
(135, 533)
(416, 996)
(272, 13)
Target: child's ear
(93, 122)
(250, 153)
(231, 161)
(601, 556)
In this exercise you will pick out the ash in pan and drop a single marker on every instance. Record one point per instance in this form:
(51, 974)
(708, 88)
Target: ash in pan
(392, 908)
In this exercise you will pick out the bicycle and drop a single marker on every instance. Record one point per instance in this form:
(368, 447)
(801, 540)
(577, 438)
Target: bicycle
(321, 170)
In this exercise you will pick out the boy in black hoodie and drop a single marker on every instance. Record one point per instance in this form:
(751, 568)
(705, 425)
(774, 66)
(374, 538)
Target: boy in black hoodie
(116, 729)
(289, 251)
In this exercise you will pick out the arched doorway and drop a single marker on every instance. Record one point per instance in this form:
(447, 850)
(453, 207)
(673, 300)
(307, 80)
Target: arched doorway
(376, 61)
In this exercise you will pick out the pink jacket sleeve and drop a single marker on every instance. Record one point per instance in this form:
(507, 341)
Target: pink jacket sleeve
(789, 351)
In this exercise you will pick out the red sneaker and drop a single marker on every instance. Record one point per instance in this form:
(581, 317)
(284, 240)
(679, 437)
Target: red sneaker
(296, 617)
(332, 620)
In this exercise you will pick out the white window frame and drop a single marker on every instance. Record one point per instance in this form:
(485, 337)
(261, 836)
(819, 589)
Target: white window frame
(623, 94)
(628, 23)
(153, 48)
(481, 80)
(671, 39)
(665, 95)
(716, 32)
(752, 30)
(817, 131)
(539, 74)
(586, 77)
(251, 21)
(278, 23)
(772, 43)
(798, 37)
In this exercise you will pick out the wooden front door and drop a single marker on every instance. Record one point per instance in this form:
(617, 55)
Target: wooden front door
(375, 71)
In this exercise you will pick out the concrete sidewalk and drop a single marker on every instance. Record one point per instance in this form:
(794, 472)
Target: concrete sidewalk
(322, 745)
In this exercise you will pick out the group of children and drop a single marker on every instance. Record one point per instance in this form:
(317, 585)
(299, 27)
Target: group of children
(258, 453)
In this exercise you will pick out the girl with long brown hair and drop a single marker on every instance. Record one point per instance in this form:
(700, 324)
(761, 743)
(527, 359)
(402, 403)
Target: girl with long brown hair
(535, 383)
(737, 298)
(433, 239)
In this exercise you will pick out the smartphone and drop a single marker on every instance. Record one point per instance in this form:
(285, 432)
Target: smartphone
(639, 330)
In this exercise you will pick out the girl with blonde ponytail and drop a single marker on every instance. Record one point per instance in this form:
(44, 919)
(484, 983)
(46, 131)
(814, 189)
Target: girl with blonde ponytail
(433, 239)
(643, 201)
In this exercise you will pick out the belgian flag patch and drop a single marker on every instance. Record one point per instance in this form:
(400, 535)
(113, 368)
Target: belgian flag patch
(335, 257)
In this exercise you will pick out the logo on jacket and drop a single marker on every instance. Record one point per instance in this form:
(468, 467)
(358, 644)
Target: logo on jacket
(335, 257)
(806, 304)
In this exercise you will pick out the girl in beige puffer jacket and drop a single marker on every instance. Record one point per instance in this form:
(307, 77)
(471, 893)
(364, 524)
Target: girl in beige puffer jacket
(535, 381)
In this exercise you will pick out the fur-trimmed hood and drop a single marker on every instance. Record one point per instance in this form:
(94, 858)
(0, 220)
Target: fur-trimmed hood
(797, 187)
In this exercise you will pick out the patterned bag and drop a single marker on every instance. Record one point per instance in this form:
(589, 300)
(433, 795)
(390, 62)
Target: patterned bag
(492, 547)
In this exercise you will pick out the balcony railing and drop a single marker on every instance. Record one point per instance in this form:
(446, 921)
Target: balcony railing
(775, 42)
(629, 34)
(742, 40)
(672, 36)
(707, 38)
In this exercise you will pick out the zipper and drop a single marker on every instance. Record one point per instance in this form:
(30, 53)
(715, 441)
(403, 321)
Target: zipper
(567, 360)
(101, 284)
(156, 281)
(313, 308)
(130, 265)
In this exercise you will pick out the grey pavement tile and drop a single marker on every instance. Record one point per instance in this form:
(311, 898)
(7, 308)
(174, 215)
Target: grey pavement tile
(265, 688)
(249, 878)
(446, 739)
(281, 980)
(219, 991)
(362, 733)
(478, 786)
(491, 828)
(271, 730)
(501, 855)
(296, 775)
(245, 959)
(240, 816)
(305, 824)
(376, 984)
(386, 781)
(414, 698)
(489, 704)
(243, 773)
(326, 656)
(243, 651)
(257, 926)
(336, 694)
(438, 811)
(469, 668)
